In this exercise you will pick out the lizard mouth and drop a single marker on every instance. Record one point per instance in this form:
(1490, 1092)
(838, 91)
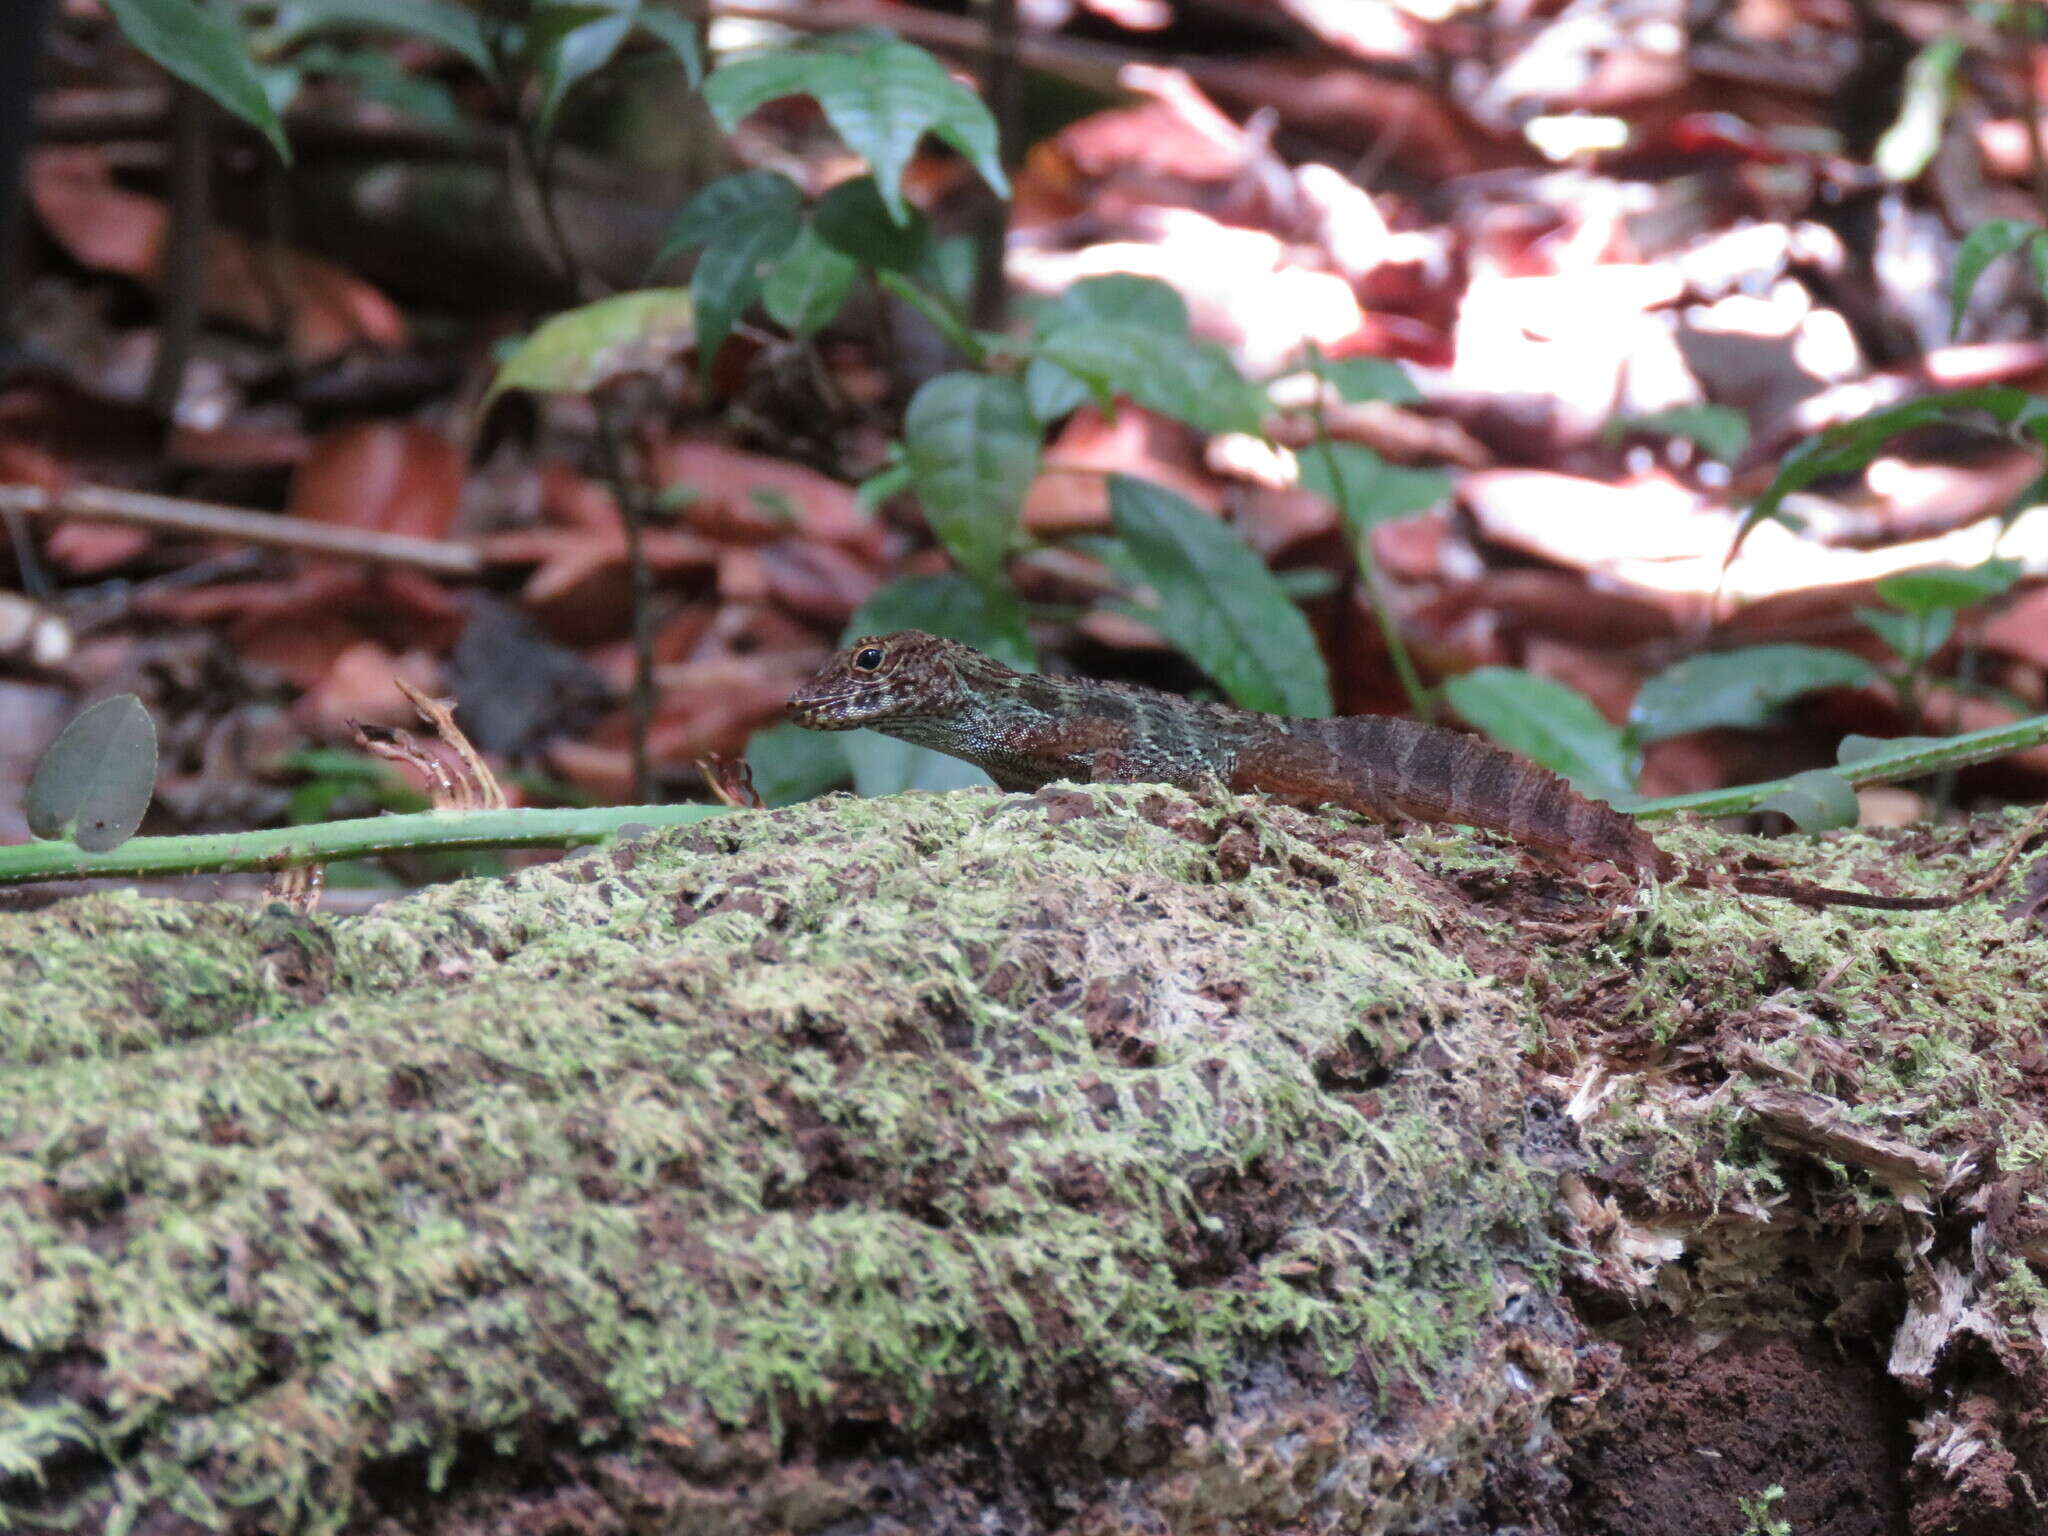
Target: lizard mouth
(823, 711)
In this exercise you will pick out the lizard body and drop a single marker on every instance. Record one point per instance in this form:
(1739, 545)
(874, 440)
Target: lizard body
(1026, 731)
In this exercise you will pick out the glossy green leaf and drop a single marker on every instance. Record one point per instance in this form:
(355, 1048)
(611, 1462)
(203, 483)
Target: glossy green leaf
(1365, 488)
(1851, 446)
(1191, 381)
(1547, 723)
(375, 76)
(1371, 378)
(743, 223)
(1719, 431)
(788, 763)
(1854, 749)
(95, 782)
(808, 284)
(1218, 603)
(1114, 298)
(1981, 247)
(1816, 800)
(1740, 688)
(583, 348)
(679, 34)
(852, 218)
(972, 448)
(594, 32)
(1933, 587)
(1913, 636)
(881, 99)
(956, 608)
(1120, 298)
(207, 52)
(433, 21)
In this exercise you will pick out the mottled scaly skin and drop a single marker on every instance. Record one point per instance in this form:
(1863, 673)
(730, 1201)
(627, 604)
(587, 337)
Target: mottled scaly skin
(1026, 731)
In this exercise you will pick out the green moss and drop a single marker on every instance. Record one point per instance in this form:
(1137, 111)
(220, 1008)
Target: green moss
(938, 1110)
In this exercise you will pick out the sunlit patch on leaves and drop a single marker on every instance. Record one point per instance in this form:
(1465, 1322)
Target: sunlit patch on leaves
(1740, 688)
(881, 96)
(95, 782)
(584, 348)
(1547, 723)
(1217, 601)
(1816, 800)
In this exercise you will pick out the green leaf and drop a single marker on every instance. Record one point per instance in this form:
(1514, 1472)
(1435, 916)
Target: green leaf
(808, 285)
(1914, 636)
(1851, 446)
(1854, 749)
(1738, 687)
(852, 218)
(575, 38)
(1932, 587)
(1121, 298)
(954, 607)
(680, 34)
(743, 222)
(788, 763)
(1816, 800)
(1547, 723)
(95, 782)
(583, 348)
(1906, 148)
(206, 52)
(1982, 246)
(376, 78)
(1370, 378)
(1051, 391)
(434, 21)
(1365, 488)
(881, 99)
(1218, 603)
(1191, 381)
(972, 448)
(1719, 431)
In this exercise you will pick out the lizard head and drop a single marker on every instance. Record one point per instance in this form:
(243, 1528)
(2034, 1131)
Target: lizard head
(881, 678)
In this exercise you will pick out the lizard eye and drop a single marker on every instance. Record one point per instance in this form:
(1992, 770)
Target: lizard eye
(869, 658)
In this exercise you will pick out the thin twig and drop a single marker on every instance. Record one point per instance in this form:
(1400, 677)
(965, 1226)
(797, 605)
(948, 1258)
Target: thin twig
(184, 269)
(170, 514)
(1001, 84)
(627, 492)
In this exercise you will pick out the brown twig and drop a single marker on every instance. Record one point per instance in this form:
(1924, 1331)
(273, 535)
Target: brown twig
(629, 494)
(1002, 85)
(184, 269)
(170, 514)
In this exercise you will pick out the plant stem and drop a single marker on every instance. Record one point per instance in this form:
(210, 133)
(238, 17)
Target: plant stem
(1885, 768)
(627, 492)
(323, 842)
(1368, 568)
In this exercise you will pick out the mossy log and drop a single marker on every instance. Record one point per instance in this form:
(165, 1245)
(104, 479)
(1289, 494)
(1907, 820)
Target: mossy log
(1097, 1162)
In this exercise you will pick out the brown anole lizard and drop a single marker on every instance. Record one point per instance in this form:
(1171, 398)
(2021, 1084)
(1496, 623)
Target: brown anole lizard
(1027, 731)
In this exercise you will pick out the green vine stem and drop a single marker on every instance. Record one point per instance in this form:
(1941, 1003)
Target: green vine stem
(323, 842)
(1912, 762)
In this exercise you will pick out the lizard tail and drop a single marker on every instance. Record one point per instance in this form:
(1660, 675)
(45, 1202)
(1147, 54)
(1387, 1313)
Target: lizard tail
(1399, 768)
